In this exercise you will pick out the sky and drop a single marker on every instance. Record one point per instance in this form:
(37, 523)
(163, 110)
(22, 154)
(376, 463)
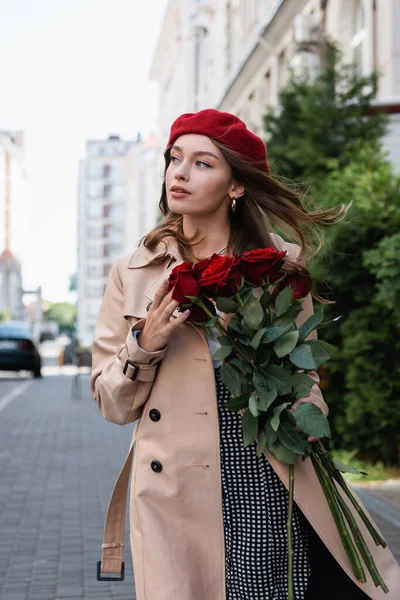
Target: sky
(71, 70)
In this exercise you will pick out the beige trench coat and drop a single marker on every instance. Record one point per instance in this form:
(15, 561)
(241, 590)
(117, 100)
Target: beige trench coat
(176, 525)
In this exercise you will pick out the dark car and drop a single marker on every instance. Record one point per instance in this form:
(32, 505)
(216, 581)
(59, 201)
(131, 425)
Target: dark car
(18, 351)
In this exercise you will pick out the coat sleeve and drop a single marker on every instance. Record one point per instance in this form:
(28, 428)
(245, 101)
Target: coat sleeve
(120, 399)
(315, 396)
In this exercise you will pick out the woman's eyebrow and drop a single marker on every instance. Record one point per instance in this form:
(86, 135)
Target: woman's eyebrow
(199, 153)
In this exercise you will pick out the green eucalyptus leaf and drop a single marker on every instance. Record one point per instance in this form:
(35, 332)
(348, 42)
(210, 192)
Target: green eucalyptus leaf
(231, 378)
(253, 313)
(250, 428)
(266, 300)
(302, 384)
(311, 324)
(279, 379)
(226, 305)
(266, 399)
(255, 342)
(330, 349)
(286, 343)
(308, 356)
(253, 406)
(311, 420)
(291, 438)
(237, 402)
(277, 415)
(211, 322)
(283, 301)
(261, 442)
(283, 454)
(222, 353)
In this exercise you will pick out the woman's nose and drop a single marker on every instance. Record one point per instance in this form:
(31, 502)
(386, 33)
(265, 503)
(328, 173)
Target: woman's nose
(182, 173)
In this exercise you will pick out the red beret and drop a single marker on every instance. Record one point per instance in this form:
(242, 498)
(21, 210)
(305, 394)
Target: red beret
(225, 128)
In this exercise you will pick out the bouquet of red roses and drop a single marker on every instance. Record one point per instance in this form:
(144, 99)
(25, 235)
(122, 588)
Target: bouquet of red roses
(253, 300)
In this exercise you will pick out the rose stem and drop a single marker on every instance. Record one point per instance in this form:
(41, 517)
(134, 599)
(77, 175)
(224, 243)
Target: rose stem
(347, 542)
(290, 534)
(327, 460)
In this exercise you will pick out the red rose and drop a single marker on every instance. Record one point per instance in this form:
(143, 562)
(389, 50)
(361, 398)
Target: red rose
(300, 282)
(222, 276)
(256, 265)
(184, 281)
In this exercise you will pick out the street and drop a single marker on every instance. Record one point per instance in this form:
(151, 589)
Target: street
(58, 462)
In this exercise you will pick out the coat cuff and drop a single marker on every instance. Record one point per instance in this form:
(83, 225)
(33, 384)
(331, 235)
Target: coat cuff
(136, 353)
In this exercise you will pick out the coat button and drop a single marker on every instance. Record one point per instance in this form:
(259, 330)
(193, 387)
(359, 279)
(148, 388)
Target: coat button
(156, 466)
(155, 414)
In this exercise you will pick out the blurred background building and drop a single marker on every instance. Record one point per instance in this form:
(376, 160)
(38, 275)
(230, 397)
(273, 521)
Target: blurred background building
(102, 204)
(13, 223)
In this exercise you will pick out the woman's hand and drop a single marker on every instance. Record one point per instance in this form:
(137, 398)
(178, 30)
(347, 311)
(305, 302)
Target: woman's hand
(158, 326)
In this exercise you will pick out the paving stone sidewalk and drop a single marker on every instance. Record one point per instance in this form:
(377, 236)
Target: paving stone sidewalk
(58, 463)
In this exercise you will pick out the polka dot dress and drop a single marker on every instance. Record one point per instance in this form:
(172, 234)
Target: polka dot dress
(255, 504)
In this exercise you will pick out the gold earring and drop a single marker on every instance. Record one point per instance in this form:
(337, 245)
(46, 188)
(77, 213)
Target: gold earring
(233, 204)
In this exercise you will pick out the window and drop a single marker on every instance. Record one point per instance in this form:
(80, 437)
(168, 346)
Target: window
(359, 35)
(106, 170)
(93, 251)
(94, 189)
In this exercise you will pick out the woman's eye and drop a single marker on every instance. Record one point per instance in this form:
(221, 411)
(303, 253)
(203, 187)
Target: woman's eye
(174, 158)
(200, 162)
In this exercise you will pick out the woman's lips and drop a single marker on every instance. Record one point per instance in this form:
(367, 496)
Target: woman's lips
(179, 194)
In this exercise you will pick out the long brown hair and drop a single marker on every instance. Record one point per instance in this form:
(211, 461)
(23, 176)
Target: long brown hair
(268, 203)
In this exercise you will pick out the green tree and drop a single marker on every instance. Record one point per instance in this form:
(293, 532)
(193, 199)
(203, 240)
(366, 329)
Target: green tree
(64, 313)
(322, 136)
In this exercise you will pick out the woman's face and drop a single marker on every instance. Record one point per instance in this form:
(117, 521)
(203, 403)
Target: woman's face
(198, 179)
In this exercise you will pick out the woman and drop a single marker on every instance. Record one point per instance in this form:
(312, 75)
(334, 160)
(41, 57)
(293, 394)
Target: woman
(208, 517)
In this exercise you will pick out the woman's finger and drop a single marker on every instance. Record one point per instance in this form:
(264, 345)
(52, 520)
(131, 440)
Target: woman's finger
(159, 295)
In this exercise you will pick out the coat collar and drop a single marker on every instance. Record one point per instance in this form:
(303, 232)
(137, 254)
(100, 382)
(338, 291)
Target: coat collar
(142, 257)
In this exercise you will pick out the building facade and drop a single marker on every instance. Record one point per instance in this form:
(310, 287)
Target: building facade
(102, 233)
(14, 251)
(235, 55)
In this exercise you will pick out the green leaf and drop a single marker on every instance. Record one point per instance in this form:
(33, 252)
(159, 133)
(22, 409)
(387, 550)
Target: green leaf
(237, 403)
(255, 342)
(291, 438)
(235, 325)
(272, 436)
(273, 333)
(226, 305)
(347, 468)
(250, 428)
(279, 379)
(224, 341)
(277, 415)
(330, 349)
(289, 316)
(231, 378)
(253, 406)
(311, 323)
(283, 301)
(266, 300)
(308, 356)
(222, 352)
(241, 364)
(211, 322)
(283, 454)
(286, 343)
(261, 442)
(311, 420)
(266, 399)
(253, 313)
(302, 384)
(260, 382)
